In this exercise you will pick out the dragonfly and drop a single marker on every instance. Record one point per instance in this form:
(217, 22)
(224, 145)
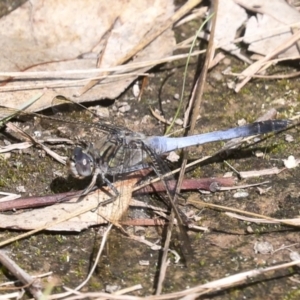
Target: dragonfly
(122, 151)
(125, 151)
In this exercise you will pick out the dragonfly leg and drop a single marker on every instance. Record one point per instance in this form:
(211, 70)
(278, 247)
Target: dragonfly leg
(98, 172)
(93, 181)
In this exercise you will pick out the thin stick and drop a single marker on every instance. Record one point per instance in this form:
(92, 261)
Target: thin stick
(119, 69)
(198, 92)
(67, 83)
(255, 67)
(104, 239)
(32, 284)
(182, 172)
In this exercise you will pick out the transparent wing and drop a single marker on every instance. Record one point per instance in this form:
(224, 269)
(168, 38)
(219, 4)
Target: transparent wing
(161, 168)
(88, 118)
(111, 153)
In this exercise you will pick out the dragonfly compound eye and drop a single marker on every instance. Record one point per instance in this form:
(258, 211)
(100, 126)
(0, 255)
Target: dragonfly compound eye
(81, 163)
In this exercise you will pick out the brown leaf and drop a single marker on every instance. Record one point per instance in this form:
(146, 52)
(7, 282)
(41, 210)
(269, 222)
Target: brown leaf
(57, 36)
(79, 215)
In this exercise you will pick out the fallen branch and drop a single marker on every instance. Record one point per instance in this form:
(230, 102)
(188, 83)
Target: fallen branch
(209, 184)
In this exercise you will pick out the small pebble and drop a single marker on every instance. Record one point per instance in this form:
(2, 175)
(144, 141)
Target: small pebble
(216, 75)
(241, 122)
(21, 189)
(111, 288)
(228, 174)
(176, 96)
(227, 70)
(136, 89)
(231, 84)
(42, 153)
(178, 122)
(249, 229)
(124, 108)
(241, 194)
(173, 156)
(259, 153)
(37, 134)
(100, 111)
(144, 263)
(288, 138)
(145, 119)
(158, 112)
(214, 187)
(263, 248)
(290, 162)
(155, 247)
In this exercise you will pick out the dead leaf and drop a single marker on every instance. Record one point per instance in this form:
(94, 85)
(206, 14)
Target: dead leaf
(83, 214)
(56, 37)
(230, 17)
(270, 27)
(273, 24)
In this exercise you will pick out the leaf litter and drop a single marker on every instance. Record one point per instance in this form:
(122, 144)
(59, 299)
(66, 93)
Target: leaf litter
(34, 41)
(222, 284)
(86, 213)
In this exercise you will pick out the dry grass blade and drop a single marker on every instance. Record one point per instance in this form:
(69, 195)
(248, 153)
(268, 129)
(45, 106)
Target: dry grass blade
(33, 285)
(16, 146)
(32, 140)
(8, 196)
(91, 72)
(150, 37)
(101, 247)
(266, 220)
(258, 173)
(191, 293)
(256, 67)
(289, 222)
(5, 119)
(234, 280)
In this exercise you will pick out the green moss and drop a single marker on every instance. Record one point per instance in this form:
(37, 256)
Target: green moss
(292, 294)
(202, 262)
(64, 257)
(60, 238)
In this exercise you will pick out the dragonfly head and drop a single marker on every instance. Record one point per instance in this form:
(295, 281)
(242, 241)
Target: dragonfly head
(81, 164)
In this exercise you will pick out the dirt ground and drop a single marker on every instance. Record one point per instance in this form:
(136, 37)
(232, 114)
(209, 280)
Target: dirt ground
(228, 247)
